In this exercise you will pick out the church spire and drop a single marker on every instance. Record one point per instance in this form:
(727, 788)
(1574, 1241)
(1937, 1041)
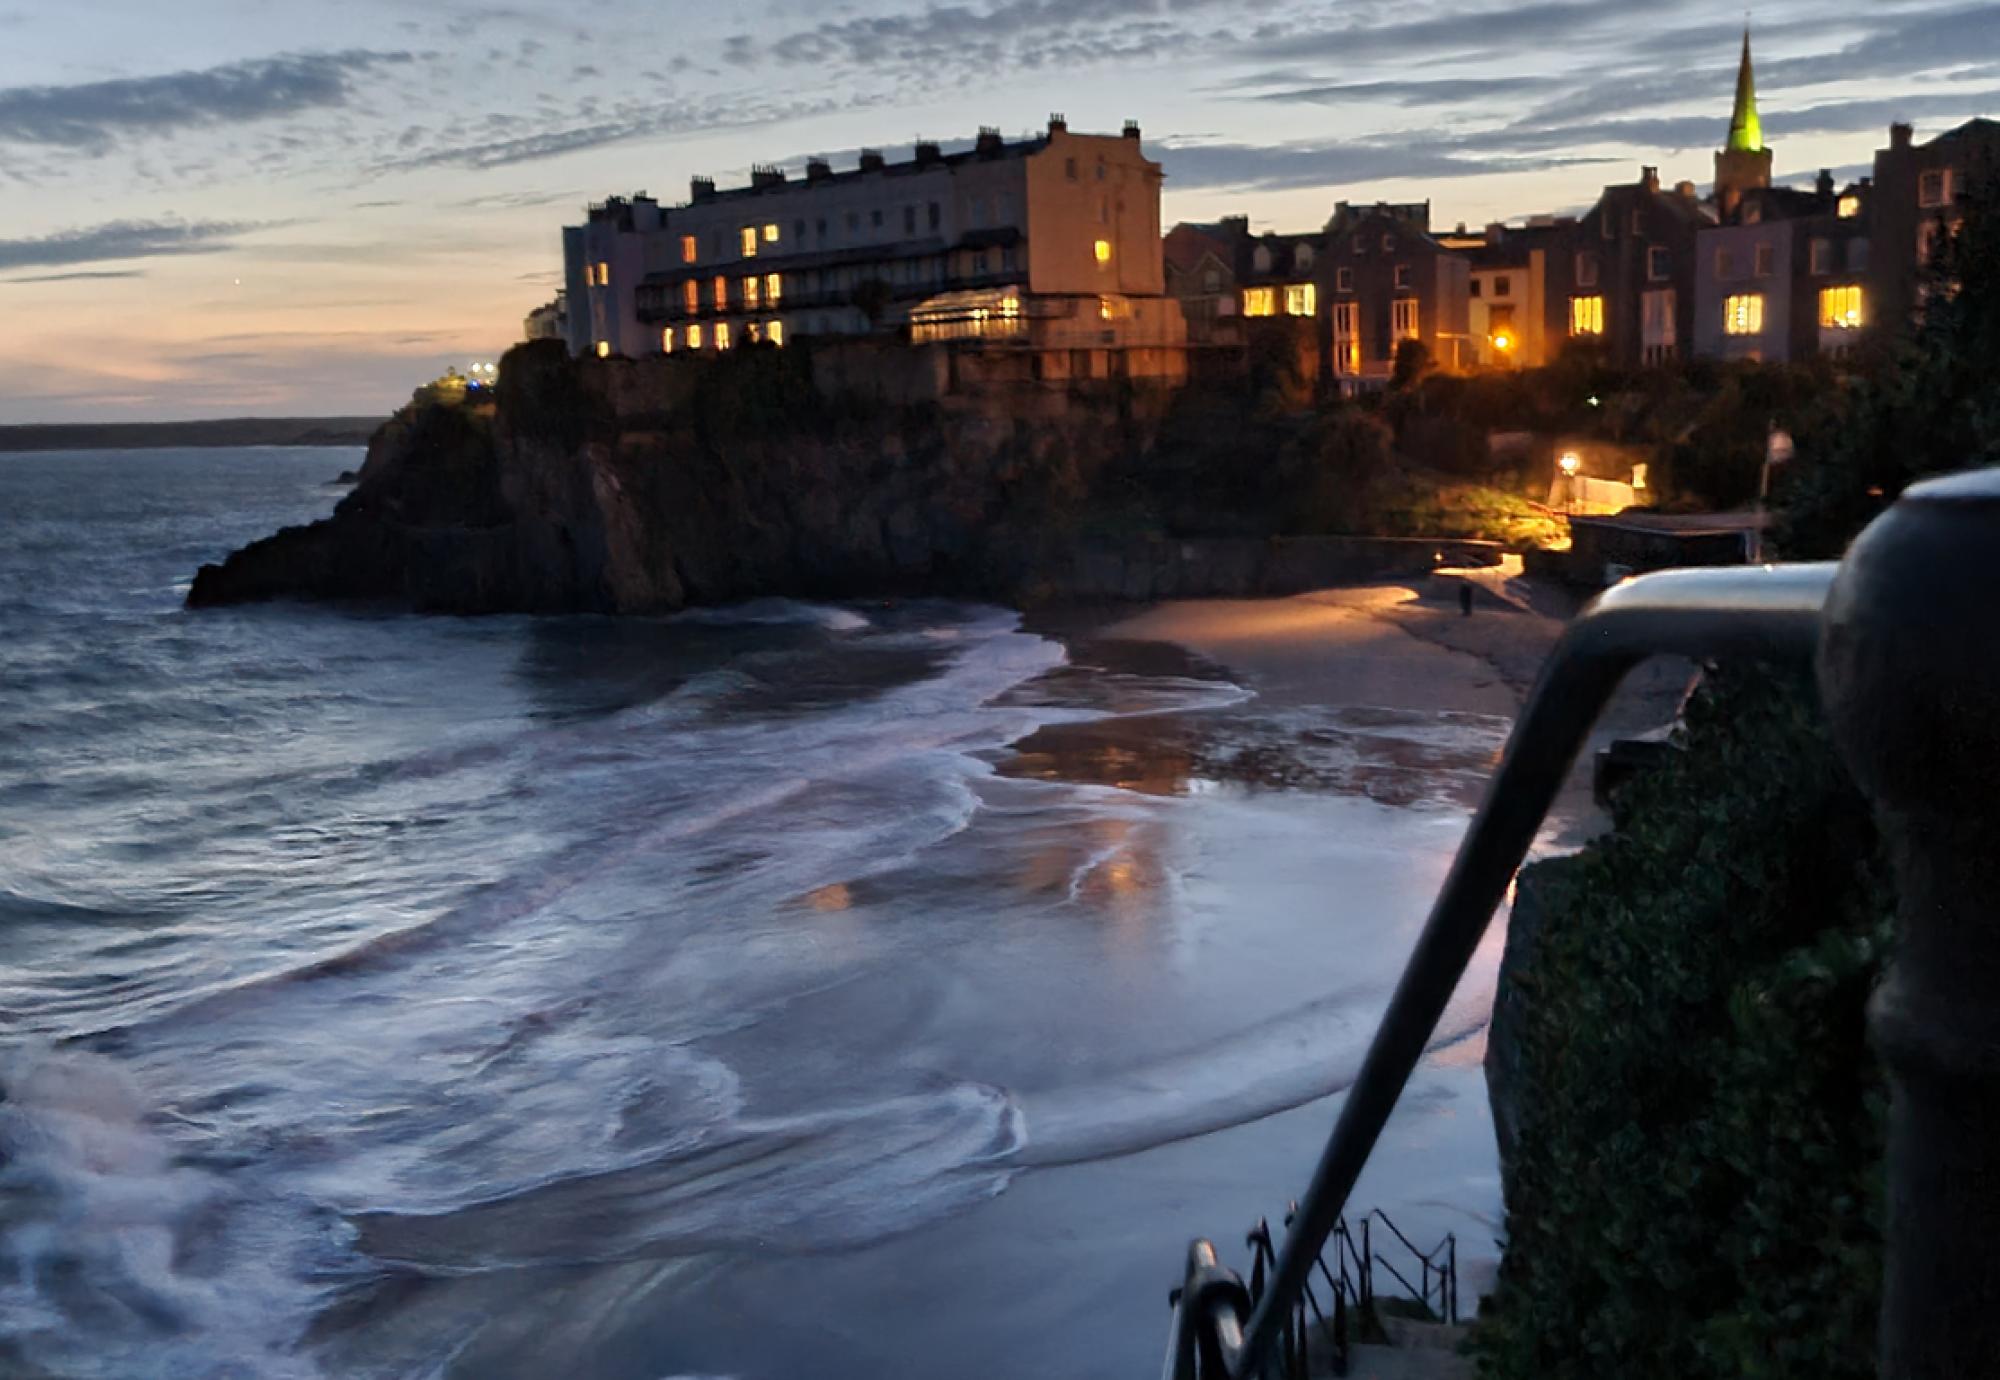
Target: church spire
(1746, 131)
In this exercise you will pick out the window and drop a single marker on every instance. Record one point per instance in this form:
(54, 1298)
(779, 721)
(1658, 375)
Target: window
(819, 228)
(722, 335)
(1343, 280)
(1388, 244)
(774, 332)
(1500, 329)
(1659, 264)
(694, 337)
(750, 293)
(1638, 221)
(721, 297)
(1840, 308)
(753, 331)
(774, 287)
(1069, 168)
(875, 219)
(1260, 301)
(1857, 256)
(1404, 318)
(1822, 256)
(771, 233)
(1360, 244)
(667, 341)
(1104, 210)
(1302, 257)
(1934, 188)
(691, 296)
(1260, 259)
(690, 249)
(604, 349)
(1743, 314)
(1102, 249)
(1659, 335)
(1928, 235)
(1586, 270)
(1503, 286)
(799, 229)
(1346, 338)
(1211, 280)
(746, 241)
(1850, 206)
(1402, 276)
(1475, 289)
(1767, 260)
(909, 220)
(1586, 316)
(936, 215)
(1606, 226)
(853, 222)
(1100, 170)
(604, 275)
(1300, 300)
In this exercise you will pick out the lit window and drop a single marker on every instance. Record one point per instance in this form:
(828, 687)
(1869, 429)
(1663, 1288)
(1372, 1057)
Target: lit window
(1840, 308)
(1586, 270)
(1743, 314)
(1586, 316)
(775, 332)
(691, 296)
(1261, 301)
(722, 335)
(604, 275)
(1343, 280)
(1934, 188)
(1300, 300)
(667, 341)
(1850, 206)
(689, 249)
(721, 294)
(1928, 235)
(1402, 275)
(1405, 316)
(753, 331)
(1103, 251)
(750, 292)
(694, 337)
(774, 287)
(1346, 338)
(746, 240)
(1659, 330)
(771, 233)
(604, 349)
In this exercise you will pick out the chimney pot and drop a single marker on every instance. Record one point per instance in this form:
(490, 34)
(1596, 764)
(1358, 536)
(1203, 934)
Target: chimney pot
(701, 188)
(818, 170)
(1900, 136)
(871, 160)
(1131, 129)
(1058, 123)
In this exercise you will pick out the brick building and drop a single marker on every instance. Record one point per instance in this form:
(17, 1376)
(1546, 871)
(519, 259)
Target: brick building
(1383, 278)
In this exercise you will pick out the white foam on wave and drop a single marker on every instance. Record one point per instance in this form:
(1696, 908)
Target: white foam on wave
(831, 617)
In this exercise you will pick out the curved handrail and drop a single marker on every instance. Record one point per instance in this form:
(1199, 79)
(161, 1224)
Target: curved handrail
(1761, 613)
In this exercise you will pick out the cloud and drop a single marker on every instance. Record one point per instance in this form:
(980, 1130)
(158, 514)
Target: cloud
(80, 276)
(93, 115)
(122, 239)
(1439, 91)
(1286, 167)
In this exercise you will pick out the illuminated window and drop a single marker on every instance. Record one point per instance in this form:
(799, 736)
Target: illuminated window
(1586, 316)
(750, 292)
(774, 287)
(722, 335)
(1260, 301)
(1743, 314)
(689, 249)
(604, 349)
(691, 296)
(1300, 300)
(1346, 338)
(667, 341)
(1103, 251)
(1343, 280)
(771, 233)
(1934, 188)
(1850, 206)
(721, 293)
(1840, 308)
(1928, 235)
(753, 331)
(604, 275)
(1658, 329)
(1405, 318)
(775, 332)
(694, 337)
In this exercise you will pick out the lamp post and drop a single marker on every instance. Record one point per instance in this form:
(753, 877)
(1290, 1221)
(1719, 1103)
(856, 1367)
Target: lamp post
(1570, 463)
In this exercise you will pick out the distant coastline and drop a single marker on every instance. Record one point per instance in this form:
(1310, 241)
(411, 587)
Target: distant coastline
(224, 431)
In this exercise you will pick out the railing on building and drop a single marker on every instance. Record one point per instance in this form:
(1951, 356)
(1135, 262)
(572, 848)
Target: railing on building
(1907, 634)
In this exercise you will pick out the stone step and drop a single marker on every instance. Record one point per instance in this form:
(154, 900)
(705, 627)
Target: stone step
(1408, 1363)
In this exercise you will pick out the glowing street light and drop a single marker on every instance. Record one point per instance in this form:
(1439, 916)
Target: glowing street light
(1570, 462)
(1503, 342)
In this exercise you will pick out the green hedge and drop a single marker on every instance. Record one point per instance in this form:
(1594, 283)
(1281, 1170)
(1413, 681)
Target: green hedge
(1694, 1192)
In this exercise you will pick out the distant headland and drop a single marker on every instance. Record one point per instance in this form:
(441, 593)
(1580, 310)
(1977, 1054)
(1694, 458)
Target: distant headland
(222, 431)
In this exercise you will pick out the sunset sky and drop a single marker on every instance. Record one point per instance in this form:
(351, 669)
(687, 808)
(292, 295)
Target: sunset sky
(227, 207)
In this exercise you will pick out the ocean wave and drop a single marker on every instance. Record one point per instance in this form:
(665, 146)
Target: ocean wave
(768, 612)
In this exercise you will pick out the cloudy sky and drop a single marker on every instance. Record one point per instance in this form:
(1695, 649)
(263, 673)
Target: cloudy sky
(229, 207)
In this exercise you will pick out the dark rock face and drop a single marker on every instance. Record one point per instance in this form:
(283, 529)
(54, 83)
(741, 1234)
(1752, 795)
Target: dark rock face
(1507, 1082)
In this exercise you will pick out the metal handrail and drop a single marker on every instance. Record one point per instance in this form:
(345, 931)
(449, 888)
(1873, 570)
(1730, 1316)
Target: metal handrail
(1765, 613)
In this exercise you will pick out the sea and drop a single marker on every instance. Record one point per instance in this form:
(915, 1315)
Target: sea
(777, 990)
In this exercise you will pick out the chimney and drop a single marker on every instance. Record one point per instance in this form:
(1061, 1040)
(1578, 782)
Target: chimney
(1496, 232)
(927, 153)
(1132, 130)
(1236, 226)
(701, 188)
(988, 143)
(1684, 190)
(871, 160)
(1824, 184)
(818, 170)
(1900, 136)
(1650, 177)
(766, 175)
(1058, 124)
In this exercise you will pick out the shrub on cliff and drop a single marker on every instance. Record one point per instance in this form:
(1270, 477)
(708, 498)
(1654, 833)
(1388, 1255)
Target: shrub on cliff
(1695, 1190)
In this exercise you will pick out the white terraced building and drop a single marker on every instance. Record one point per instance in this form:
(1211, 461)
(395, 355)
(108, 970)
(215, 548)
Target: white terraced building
(1051, 242)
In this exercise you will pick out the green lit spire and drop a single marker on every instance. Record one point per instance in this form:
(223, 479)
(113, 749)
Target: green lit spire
(1746, 131)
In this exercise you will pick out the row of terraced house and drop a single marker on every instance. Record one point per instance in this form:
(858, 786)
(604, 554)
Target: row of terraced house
(1651, 273)
(1047, 248)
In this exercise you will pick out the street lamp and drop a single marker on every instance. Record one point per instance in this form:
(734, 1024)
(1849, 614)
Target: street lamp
(1571, 462)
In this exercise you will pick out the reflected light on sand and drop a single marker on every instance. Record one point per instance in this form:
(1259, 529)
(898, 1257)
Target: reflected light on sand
(834, 896)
